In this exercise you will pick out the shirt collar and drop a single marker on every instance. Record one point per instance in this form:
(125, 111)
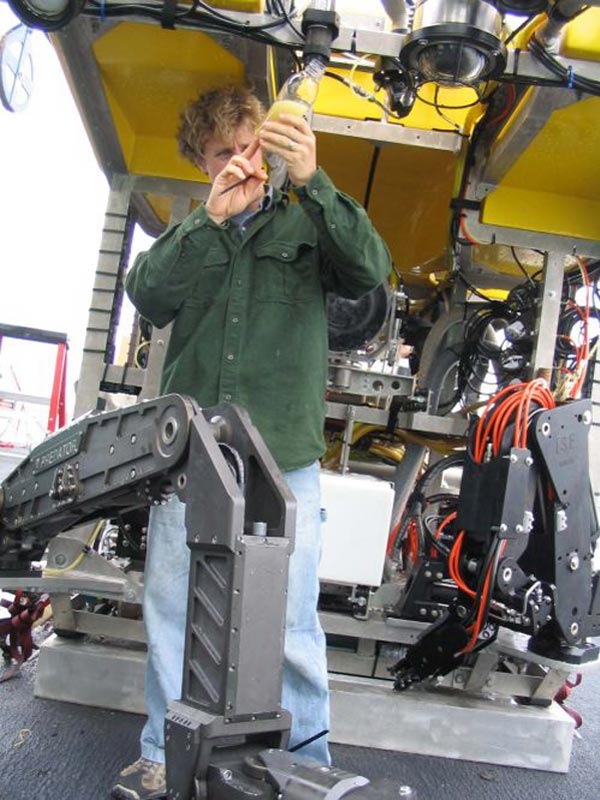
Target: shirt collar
(245, 216)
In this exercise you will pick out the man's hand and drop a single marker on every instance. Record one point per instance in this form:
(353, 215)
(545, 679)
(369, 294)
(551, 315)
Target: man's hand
(246, 167)
(292, 139)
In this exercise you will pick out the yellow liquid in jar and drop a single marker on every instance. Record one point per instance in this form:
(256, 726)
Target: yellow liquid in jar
(279, 107)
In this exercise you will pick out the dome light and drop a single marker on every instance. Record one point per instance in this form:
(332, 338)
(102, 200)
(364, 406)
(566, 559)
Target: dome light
(455, 42)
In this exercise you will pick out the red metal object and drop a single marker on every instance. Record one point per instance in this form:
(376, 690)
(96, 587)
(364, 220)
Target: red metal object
(57, 414)
(57, 398)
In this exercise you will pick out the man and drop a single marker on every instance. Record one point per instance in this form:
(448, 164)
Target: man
(243, 279)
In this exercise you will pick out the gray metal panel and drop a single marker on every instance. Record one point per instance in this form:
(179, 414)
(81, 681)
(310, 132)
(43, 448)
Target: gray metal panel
(387, 133)
(485, 233)
(91, 674)
(98, 325)
(522, 129)
(261, 630)
(420, 421)
(74, 49)
(549, 312)
(444, 724)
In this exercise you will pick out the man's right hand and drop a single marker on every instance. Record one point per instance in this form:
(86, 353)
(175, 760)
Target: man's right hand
(246, 167)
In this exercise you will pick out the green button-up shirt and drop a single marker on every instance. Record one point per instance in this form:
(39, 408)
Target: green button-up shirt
(248, 312)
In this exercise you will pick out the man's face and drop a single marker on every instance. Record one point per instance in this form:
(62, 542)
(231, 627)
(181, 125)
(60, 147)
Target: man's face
(217, 152)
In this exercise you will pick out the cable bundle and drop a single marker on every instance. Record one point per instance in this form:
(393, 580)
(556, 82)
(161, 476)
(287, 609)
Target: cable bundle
(513, 406)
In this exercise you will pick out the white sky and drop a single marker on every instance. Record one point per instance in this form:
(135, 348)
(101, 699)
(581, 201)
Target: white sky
(52, 202)
(52, 205)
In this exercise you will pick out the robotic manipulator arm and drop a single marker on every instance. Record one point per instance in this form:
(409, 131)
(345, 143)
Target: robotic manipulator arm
(521, 540)
(226, 735)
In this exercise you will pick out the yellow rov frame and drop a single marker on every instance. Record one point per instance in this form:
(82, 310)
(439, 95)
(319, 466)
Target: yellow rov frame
(537, 180)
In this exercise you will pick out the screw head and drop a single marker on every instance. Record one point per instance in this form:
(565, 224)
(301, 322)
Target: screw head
(574, 629)
(507, 574)
(574, 562)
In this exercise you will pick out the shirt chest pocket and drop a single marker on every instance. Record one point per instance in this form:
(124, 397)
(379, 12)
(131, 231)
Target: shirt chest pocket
(212, 273)
(286, 272)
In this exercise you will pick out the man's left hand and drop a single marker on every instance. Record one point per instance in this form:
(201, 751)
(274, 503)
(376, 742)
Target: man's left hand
(292, 139)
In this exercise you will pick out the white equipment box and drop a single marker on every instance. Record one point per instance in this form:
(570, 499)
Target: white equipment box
(358, 509)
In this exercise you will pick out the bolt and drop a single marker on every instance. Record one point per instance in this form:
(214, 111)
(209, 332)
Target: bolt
(529, 461)
(513, 458)
(428, 573)
(518, 529)
(461, 612)
(503, 528)
(405, 791)
(574, 562)
(111, 449)
(435, 613)
(423, 42)
(439, 576)
(60, 559)
(587, 417)
(507, 574)
(574, 629)
(227, 774)
(423, 612)
(545, 430)
(133, 473)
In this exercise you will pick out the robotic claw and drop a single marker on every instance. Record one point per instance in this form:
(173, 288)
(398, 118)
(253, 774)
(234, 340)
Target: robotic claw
(519, 542)
(225, 737)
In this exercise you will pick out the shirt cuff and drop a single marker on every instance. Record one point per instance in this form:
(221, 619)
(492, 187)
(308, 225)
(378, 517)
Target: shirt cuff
(318, 188)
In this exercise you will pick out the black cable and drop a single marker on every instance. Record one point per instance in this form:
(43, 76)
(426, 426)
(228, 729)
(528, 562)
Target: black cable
(371, 176)
(520, 266)
(480, 98)
(308, 741)
(204, 21)
(491, 555)
(366, 95)
(281, 5)
(471, 288)
(493, 577)
(569, 78)
(518, 29)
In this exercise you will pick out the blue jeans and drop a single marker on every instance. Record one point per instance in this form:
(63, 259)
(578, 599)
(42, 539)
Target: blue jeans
(305, 691)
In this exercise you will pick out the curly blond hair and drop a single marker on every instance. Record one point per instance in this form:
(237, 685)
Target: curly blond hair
(216, 113)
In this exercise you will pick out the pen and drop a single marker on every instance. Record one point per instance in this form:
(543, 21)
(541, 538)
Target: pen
(234, 185)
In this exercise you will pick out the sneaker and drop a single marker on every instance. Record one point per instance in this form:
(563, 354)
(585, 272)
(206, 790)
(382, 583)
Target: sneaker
(142, 780)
